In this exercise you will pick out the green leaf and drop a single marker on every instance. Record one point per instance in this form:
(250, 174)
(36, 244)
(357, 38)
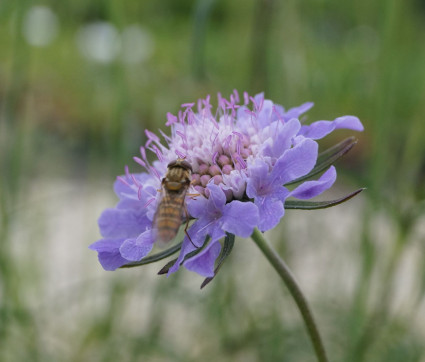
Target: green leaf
(229, 241)
(167, 266)
(327, 158)
(314, 205)
(155, 257)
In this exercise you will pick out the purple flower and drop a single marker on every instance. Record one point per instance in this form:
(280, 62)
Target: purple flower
(242, 156)
(265, 183)
(214, 217)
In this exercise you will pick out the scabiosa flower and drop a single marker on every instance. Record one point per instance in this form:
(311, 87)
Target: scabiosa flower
(243, 156)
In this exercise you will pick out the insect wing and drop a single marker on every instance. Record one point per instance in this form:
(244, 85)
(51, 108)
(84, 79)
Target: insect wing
(168, 216)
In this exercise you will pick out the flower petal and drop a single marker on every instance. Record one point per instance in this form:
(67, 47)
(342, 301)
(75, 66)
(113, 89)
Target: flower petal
(295, 112)
(197, 206)
(138, 248)
(108, 253)
(203, 263)
(111, 261)
(121, 223)
(320, 129)
(310, 189)
(187, 248)
(257, 181)
(295, 162)
(198, 233)
(106, 245)
(259, 98)
(349, 122)
(216, 198)
(201, 228)
(264, 116)
(216, 231)
(270, 211)
(235, 182)
(240, 218)
(281, 137)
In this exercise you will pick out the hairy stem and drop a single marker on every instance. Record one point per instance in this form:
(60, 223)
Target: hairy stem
(290, 282)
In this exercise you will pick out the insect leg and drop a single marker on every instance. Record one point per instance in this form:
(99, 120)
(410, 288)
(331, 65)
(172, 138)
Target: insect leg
(187, 225)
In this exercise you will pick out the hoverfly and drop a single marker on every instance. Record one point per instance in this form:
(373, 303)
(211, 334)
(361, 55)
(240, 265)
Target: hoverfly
(168, 216)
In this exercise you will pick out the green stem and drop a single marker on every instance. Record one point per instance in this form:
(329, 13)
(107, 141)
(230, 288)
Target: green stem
(290, 282)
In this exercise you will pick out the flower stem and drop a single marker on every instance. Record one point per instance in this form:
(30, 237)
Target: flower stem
(290, 282)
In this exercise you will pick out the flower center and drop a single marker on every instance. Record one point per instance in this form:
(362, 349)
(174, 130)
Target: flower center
(221, 165)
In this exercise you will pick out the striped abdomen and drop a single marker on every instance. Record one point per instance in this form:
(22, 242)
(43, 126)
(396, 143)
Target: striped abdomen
(168, 216)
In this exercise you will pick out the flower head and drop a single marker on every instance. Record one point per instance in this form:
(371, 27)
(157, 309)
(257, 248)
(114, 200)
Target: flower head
(242, 155)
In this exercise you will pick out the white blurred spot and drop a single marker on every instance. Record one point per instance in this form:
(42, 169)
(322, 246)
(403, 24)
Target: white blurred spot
(137, 44)
(99, 42)
(40, 26)
(362, 44)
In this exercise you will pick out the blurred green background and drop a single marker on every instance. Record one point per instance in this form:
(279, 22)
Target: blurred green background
(79, 83)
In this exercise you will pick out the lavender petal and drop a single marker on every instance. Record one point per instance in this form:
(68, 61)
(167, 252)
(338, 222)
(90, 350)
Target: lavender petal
(240, 218)
(137, 248)
(310, 189)
(203, 263)
(271, 211)
(122, 223)
(108, 253)
(320, 129)
(295, 162)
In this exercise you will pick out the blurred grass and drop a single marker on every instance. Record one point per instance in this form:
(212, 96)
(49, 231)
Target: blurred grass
(67, 119)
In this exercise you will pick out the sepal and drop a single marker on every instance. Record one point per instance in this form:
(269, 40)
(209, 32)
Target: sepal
(314, 205)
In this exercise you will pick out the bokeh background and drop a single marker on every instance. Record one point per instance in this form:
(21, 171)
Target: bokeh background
(79, 83)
